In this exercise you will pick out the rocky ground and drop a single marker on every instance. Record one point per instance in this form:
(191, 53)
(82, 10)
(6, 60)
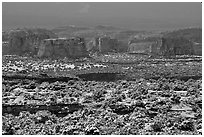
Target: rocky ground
(155, 105)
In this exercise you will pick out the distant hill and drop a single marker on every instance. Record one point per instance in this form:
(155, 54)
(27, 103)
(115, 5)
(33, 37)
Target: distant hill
(106, 27)
(192, 34)
(90, 32)
(69, 28)
(86, 32)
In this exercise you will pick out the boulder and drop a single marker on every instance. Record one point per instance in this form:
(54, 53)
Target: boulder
(18, 100)
(63, 47)
(26, 41)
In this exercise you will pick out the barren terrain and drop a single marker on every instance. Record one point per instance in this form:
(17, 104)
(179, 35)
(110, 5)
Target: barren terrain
(103, 95)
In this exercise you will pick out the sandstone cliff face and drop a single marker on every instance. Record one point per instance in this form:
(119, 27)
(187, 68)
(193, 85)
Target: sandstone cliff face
(63, 47)
(141, 47)
(191, 37)
(144, 45)
(176, 46)
(27, 41)
(103, 44)
(107, 44)
(197, 48)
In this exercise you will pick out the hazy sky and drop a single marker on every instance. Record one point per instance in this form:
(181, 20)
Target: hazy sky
(133, 15)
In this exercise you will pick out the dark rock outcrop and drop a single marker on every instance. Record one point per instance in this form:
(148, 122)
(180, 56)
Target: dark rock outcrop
(176, 46)
(191, 37)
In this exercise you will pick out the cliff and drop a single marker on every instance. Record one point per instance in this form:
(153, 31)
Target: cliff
(63, 47)
(27, 41)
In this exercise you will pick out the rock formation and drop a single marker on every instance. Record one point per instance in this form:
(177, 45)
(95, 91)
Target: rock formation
(4, 36)
(197, 48)
(144, 45)
(103, 44)
(192, 34)
(176, 46)
(26, 41)
(191, 37)
(63, 47)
